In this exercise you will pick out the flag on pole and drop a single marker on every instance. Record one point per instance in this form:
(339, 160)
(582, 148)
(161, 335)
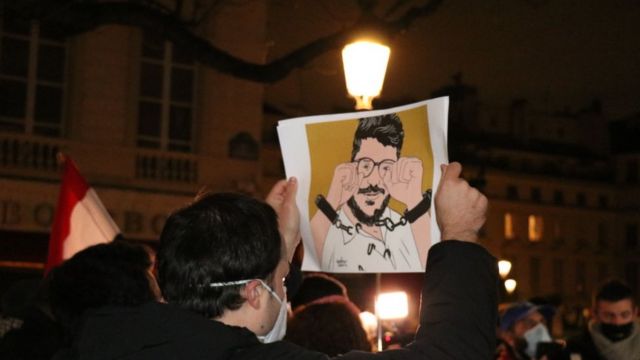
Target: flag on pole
(80, 220)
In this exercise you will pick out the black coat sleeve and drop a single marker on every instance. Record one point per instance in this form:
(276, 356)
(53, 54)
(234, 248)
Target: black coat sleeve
(458, 313)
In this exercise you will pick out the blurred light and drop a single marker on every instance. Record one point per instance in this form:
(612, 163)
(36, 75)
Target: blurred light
(394, 305)
(369, 323)
(365, 64)
(510, 285)
(504, 267)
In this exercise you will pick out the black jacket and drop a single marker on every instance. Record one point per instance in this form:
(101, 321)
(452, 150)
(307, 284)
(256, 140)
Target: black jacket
(458, 319)
(583, 345)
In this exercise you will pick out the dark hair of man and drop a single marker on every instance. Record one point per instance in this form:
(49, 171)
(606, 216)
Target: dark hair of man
(332, 327)
(106, 274)
(315, 286)
(218, 238)
(387, 129)
(613, 291)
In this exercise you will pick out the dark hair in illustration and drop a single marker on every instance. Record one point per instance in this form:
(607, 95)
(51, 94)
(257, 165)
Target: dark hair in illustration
(218, 238)
(387, 129)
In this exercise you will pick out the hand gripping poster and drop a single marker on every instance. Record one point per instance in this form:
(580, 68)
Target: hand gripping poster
(366, 184)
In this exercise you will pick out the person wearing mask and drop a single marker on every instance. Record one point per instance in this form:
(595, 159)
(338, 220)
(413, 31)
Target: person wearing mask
(522, 330)
(614, 332)
(222, 261)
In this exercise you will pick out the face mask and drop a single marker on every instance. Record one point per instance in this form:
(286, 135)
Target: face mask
(616, 333)
(535, 335)
(280, 326)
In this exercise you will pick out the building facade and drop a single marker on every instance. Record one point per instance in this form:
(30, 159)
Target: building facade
(146, 125)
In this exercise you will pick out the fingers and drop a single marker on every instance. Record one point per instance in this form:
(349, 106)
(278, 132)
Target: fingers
(277, 193)
(290, 191)
(451, 171)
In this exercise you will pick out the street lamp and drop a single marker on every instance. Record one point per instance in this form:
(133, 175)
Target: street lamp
(504, 267)
(365, 63)
(510, 286)
(393, 305)
(390, 306)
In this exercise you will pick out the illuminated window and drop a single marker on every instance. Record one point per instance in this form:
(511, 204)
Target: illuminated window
(32, 77)
(508, 226)
(536, 228)
(165, 104)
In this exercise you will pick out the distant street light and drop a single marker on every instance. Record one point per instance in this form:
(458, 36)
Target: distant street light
(393, 305)
(369, 323)
(365, 64)
(510, 285)
(504, 267)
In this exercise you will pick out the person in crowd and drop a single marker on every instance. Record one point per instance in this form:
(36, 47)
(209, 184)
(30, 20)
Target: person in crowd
(614, 331)
(38, 336)
(330, 324)
(116, 273)
(315, 286)
(523, 332)
(221, 265)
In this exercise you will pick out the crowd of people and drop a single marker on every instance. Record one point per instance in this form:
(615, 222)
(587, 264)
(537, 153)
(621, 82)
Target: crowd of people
(220, 283)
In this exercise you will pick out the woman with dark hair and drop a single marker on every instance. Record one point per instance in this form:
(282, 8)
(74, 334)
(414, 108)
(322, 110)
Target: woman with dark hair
(330, 325)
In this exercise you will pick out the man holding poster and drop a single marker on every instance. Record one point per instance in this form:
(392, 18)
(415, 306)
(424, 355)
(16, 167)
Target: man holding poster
(355, 230)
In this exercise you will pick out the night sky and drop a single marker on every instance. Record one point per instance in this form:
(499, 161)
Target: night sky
(559, 55)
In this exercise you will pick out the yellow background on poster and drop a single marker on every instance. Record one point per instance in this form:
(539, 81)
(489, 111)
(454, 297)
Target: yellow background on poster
(330, 144)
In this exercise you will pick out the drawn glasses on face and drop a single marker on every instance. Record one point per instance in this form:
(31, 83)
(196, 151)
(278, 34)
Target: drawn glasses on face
(366, 165)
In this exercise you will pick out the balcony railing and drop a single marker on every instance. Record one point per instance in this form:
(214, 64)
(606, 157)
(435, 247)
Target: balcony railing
(33, 157)
(28, 154)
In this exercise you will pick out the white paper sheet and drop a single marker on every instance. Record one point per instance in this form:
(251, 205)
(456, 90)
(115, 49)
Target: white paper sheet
(396, 157)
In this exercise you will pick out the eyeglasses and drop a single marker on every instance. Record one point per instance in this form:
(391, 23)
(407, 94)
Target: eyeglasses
(366, 165)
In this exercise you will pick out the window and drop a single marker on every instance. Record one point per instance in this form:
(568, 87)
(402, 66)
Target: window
(632, 171)
(512, 192)
(508, 227)
(581, 199)
(581, 276)
(32, 78)
(534, 274)
(631, 274)
(165, 106)
(536, 228)
(536, 194)
(602, 236)
(631, 238)
(603, 272)
(558, 275)
(558, 197)
(603, 202)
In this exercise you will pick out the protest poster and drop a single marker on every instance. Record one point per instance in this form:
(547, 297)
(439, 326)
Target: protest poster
(366, 183)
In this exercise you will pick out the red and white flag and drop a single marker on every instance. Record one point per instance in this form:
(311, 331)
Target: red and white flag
(80, 220)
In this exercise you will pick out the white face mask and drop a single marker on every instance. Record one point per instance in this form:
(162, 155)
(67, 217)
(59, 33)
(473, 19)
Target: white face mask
(280, 326)
(535, 335)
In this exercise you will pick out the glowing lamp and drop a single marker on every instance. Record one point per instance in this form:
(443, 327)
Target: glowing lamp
(504, 267)
(510, 285)
(393, 305)
(365, 64)
(369, 322)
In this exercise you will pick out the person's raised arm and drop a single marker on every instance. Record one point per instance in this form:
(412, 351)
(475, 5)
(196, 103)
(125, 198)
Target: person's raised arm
(459, 298)
(282, 199)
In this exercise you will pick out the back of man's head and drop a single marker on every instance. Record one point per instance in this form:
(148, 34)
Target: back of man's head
(387, 129)
(316, 286)
(218, 238)
(613, 291)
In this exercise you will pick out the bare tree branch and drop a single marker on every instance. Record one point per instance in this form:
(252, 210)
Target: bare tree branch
(75, 17)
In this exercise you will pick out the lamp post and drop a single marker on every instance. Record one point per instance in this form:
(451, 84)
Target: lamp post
(365, 64)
